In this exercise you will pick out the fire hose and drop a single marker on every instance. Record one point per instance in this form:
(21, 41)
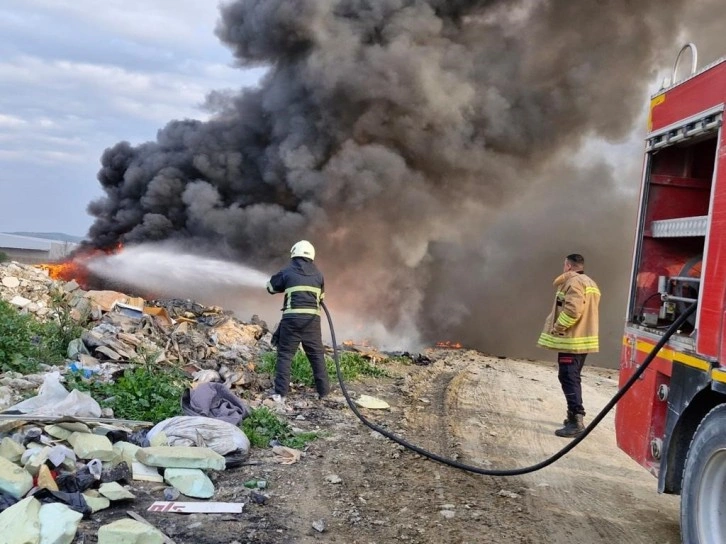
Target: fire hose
(515, 471)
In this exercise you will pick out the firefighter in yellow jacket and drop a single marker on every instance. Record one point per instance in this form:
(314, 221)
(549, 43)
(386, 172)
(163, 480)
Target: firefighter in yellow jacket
(571, 329)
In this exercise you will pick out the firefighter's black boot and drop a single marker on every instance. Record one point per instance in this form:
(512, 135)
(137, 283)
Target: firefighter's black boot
(570, 415)
(572, 428)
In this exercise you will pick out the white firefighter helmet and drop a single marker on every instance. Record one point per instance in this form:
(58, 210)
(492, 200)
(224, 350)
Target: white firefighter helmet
(303, 249)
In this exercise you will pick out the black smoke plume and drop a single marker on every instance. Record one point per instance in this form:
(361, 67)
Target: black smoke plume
(426, 148)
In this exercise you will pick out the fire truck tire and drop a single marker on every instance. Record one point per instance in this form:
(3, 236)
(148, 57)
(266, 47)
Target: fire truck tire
(703, 491)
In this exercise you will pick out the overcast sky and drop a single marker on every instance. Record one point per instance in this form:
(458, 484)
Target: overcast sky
(77, 76)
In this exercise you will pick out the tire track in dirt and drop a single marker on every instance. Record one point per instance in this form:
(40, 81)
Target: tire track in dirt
(596, 494)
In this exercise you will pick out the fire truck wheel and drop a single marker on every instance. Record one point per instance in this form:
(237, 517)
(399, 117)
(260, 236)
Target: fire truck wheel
(703, 493)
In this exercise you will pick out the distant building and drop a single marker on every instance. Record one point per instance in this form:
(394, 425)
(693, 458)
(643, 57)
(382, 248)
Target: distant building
(25, 249)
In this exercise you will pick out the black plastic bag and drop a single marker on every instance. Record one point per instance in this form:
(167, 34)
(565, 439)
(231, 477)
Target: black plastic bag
(74, 501)
(138, 438)
(76, 482)
(6, 501)
(117, 435)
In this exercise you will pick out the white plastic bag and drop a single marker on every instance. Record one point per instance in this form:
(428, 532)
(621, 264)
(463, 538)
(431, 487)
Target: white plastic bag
(54, 400)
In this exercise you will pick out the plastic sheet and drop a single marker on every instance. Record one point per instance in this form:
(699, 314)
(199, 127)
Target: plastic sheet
(75, 501)
(215, 434)
(54, 400)
(6, 501)
(75, 482)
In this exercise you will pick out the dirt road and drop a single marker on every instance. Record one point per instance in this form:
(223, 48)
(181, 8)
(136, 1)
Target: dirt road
(505, 412)
(363, 489)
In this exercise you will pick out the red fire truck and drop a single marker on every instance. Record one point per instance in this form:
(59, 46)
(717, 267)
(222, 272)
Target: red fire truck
(673, 420)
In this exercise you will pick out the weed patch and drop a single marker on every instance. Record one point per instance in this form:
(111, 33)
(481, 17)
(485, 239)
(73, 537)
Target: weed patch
(25, 342)
(263, 425)
(352, 366)
(144, 393)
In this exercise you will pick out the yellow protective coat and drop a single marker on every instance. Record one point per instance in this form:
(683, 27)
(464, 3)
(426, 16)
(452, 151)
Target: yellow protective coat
(572, 326)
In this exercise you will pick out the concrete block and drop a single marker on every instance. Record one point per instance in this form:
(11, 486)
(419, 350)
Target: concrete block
(129, 531)
(58, 524)
(56, 431)
(181, 457)
(91, 446)
(145, 473)
(96, 502)
(20, 302)
(11, 281)
(126, 451)
(192, 482)
(75, 427)
(20, 524)
(115, 492)
(37, 460)
(11, 450)
(14, 480)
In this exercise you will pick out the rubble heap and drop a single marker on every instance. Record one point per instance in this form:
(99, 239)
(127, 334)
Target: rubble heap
(209, 343)
(60, 461)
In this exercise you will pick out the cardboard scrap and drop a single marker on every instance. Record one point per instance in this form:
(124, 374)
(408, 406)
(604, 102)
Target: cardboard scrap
(285, 455)
(197, 507)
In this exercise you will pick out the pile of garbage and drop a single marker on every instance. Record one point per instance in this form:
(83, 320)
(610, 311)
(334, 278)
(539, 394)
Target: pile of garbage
(63, 457)
(210, 344)
(54, 474)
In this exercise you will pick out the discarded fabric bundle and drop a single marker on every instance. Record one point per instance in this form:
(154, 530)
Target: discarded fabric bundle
(219, 436)
(214, 400)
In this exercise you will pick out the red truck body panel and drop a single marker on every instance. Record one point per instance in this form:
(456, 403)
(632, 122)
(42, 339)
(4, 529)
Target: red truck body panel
(682, 180)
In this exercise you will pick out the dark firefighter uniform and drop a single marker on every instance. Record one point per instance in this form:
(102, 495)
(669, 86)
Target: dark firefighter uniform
(303, 286)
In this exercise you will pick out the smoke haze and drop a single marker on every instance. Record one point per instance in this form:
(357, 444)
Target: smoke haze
(430, 149)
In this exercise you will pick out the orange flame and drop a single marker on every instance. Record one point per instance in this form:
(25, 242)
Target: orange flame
(75, 268)
(448, 344)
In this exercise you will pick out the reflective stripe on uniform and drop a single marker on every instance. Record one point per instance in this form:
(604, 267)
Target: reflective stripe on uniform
(566, 320)
(592, 291)
(303, 289)
(560, 342)
(311, 311)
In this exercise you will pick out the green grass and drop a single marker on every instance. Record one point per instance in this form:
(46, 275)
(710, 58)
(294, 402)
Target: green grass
(147, 393)
(352, 366)
(17, 337)
(262, 426)
(26, 342)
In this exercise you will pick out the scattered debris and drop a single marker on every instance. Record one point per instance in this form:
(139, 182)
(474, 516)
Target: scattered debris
(115, 492)
(285, 455)
(319, 525)
(372, 403)
(192, 482)
(181, 457)
(509, 494)
(197, 507)
(137, 517)
(129, 531)
(63, 454)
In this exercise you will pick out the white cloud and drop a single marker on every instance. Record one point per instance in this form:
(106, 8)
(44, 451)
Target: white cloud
(10, 121)
(77, 76)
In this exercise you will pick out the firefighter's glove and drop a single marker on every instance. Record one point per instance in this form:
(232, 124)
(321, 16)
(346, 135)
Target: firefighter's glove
(557, 331)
